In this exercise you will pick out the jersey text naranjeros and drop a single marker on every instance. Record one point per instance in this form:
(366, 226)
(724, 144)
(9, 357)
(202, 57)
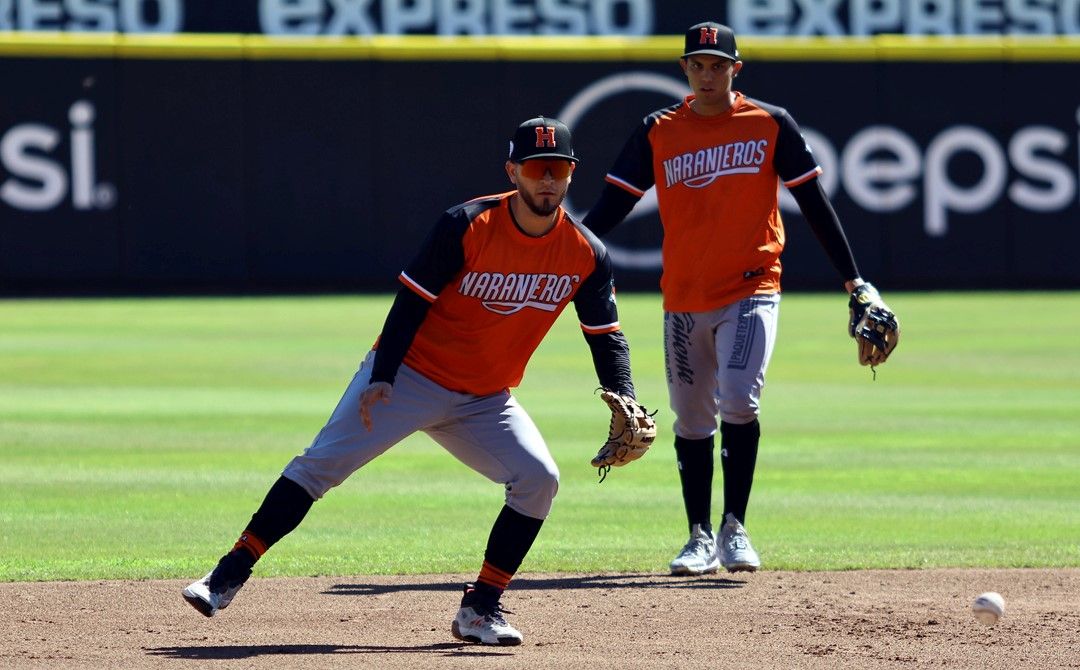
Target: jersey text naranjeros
(698, 169)
(507, 293)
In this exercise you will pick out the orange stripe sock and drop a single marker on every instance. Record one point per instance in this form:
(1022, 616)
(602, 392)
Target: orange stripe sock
(494, 577)
(251, 543)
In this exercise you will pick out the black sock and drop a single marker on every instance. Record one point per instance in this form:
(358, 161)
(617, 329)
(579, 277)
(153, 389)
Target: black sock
(512, 535)
(285, 506)
(695, 459)
(281, 512)
(738, 455)
(233, 568)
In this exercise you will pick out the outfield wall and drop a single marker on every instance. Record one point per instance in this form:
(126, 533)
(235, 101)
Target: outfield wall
(546, 17)
(245, 163)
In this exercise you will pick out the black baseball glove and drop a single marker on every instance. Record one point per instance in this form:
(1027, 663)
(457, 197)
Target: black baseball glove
(873, 325)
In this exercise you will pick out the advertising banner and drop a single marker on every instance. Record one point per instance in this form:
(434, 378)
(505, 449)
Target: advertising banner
(263, 174)
(546, 17)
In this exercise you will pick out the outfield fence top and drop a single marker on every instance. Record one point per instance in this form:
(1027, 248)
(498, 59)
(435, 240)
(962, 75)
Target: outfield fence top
(529, 48)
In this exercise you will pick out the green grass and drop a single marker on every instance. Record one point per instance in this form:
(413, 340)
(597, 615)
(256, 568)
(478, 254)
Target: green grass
(138, 436)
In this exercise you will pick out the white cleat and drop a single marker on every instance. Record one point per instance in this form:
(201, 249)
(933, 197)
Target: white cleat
(483, 622)
(698, 557)
(199, 596)
(736, 552)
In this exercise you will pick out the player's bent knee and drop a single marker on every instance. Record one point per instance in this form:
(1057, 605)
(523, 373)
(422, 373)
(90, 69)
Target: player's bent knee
(316, 487)
(534, 491)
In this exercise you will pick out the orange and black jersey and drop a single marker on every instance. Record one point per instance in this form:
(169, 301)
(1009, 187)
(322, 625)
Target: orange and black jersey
(716, 180)
(489, 293)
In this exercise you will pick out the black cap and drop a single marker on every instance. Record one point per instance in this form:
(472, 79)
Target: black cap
(542, 137)
(712, 39)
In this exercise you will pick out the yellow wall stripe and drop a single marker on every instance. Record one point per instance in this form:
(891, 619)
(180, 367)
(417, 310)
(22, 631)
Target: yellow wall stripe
(663, 48)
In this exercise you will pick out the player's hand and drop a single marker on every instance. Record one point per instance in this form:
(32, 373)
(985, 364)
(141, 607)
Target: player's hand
(373, 393)
(873, 325)
(630, 435)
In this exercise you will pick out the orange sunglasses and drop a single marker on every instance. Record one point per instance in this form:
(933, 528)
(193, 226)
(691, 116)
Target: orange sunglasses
(536, 168)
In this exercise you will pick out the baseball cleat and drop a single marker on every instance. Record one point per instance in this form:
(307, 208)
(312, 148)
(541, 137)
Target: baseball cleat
(208, 602)
(698, 556)
(483, 622)
(218, 588)
(736, 552)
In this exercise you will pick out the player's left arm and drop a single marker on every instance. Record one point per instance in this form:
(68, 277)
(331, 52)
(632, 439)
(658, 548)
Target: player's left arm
(873, 325)
(633, 428)
(823, 221)
(599, 318)
(798, 170)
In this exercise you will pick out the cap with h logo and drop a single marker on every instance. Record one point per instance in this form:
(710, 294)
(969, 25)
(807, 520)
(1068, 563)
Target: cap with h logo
(542, 137)
(711, 39)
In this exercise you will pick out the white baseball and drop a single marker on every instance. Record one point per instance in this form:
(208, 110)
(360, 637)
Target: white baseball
(988, 607)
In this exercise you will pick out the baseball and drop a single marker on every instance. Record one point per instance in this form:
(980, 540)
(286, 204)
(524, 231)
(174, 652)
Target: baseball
(988, 607)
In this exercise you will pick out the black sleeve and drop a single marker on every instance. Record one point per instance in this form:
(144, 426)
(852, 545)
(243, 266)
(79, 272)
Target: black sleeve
(630, 176)
(439, 259)
(402, 322)
(441, 255)
(612, 207)
(634, 166)
(611, 358)
(819, 213)
(599, 317)
(792, 158)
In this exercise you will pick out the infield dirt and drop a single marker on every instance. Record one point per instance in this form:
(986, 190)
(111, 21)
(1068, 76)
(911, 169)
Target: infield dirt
(860, 619)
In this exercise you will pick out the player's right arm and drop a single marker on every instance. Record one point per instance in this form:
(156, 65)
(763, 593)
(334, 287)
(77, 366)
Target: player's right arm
(440, 258)
(629, 178)
(373, 393)
(610, 209)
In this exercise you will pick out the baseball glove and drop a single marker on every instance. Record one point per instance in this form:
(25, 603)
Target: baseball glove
(630, 435)
(873, 325)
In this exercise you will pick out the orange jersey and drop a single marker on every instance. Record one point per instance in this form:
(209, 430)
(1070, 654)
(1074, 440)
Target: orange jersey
(717, 180)
(495, 292)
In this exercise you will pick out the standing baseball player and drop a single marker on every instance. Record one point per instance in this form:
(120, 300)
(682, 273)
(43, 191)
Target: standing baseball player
(486, 286)
(715, 159)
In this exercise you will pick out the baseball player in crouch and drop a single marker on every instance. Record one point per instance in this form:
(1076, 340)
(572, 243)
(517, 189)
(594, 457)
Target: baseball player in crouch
(484, 289)
(715, 159)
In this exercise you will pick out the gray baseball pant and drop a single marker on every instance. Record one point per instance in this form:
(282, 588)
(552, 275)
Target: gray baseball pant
(492, 434)
(716, 363)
